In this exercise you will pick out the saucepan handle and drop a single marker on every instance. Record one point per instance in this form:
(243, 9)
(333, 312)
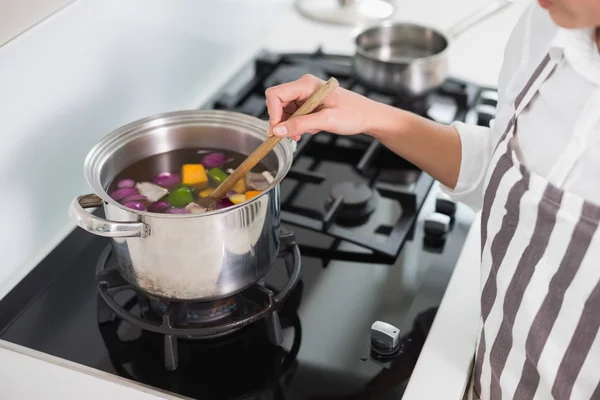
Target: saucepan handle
(100, 226)
(484, 12)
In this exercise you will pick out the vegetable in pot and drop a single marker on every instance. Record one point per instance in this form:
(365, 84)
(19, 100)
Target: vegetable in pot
(237, 198)
(217, 174)
(213, 160)
(152, 191)
(268, 177)
(252, 193)
(167, 180)
(240, 186)
(180, 197)
(135, 205)
(189, 190)
(194, 208)
(121, 193)
(223, 203)
(256, 181)
(159, 206)
(125, 183)
(174, 210)
(194, 174)
(134, 197)
(206, 192)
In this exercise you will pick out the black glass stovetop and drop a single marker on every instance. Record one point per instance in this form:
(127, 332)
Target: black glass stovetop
(326, 325)
(345, 286)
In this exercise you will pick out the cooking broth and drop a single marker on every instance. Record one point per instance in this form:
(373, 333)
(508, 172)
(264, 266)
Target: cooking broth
(181, 181)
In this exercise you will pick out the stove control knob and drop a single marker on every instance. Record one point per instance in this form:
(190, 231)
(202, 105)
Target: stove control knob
(489, 97)
(444, 205)
(437, 225)
(485, 114)
(385, 339)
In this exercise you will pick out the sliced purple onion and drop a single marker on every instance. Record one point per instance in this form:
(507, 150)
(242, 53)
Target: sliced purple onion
(135, 205)
(231, 192)
(213, 160)
(134, 197)
(167, 179)
(174, 210)
(159, 206)
(126, 183)
(223, 203)
(121, 193)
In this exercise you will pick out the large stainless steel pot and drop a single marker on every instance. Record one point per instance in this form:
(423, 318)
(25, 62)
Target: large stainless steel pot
(410, 59)
(192, 256)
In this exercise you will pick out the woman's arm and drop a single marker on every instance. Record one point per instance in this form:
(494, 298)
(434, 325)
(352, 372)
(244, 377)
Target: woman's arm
(433, 147)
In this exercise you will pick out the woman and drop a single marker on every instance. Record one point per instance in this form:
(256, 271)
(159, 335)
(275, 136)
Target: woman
(535, 177)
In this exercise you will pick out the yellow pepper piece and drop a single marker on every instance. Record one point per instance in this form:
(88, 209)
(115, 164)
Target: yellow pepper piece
(252, 193)
(193, 174)
(237, 198)
(206, 192)
(240, 186)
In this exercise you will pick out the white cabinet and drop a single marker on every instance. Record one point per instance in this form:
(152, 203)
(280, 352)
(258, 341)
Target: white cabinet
(16, 16)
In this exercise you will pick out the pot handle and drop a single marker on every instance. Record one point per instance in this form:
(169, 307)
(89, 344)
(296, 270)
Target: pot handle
(479, 15)
(100, 226)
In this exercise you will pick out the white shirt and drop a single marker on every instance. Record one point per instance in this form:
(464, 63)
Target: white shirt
(567, 105)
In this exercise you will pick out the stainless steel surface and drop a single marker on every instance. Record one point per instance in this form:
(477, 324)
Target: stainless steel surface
(193, 256)
(401, 58)
(101, 226)
(385, 335)
(409, 58)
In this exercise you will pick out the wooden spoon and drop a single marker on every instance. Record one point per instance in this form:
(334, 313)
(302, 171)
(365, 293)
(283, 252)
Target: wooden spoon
(309, 106)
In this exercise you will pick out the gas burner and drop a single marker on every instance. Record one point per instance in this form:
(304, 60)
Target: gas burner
(352, 203)
(197, 320)
(198, 312)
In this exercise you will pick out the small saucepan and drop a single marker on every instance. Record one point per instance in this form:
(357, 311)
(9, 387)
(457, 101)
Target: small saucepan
(409, 58)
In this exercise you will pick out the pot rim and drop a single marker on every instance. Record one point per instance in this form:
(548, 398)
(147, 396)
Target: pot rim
(126, 133)
(399, 60)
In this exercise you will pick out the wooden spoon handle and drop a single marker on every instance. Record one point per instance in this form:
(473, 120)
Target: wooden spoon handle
(309, 106)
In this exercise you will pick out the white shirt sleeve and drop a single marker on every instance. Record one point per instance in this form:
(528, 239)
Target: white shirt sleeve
(478, 142)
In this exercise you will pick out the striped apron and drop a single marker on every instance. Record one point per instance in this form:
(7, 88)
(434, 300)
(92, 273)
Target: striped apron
(540, 297)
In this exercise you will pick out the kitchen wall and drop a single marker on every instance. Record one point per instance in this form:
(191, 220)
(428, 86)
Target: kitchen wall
(86, 70)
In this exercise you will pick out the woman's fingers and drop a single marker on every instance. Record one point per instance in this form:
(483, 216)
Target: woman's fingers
(284, 95)
(310, 123)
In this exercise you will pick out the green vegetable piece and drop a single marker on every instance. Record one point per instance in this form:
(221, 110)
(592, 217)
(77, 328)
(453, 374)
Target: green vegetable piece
(180, 197)
(218, 174)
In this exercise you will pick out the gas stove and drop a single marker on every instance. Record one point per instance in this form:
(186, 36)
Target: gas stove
(368, 247)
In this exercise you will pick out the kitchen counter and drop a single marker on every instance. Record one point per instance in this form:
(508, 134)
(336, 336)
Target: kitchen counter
(57, 379)
(443, 367)
(184, 57)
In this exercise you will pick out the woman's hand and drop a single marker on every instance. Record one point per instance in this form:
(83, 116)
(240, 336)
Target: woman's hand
(343, 112)
(433, 147)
